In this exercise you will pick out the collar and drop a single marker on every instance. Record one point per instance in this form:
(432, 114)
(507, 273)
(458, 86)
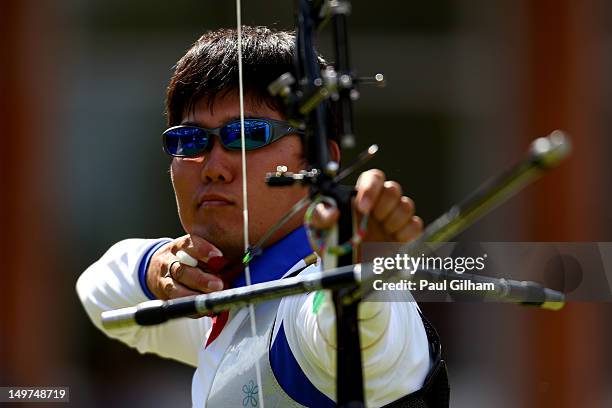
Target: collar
(277, 259)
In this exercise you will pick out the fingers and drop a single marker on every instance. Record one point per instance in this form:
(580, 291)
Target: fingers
(194, 278)
(410, 231)
(187, 276)
(176, 269)
(400, 224)
(173, 289)
(369, 186)
(401, 213)
(388, 199)
(197, 247)
(392, 214)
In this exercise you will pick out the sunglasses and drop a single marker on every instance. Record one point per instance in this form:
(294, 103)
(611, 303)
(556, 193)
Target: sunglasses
(193, 141)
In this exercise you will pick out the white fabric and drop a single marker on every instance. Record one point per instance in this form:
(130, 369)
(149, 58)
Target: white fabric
(395, 349)
(112, 283)
(395, 346)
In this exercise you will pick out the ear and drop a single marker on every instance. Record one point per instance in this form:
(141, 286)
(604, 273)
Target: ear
(334, 151)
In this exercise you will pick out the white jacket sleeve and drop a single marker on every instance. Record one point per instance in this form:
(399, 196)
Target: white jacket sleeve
(395, 349)
(113, 282)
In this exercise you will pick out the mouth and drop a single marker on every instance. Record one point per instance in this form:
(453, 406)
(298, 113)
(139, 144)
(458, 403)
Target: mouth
(213, 200)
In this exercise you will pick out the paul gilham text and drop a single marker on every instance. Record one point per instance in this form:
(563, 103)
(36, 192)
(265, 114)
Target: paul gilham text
(423, 284)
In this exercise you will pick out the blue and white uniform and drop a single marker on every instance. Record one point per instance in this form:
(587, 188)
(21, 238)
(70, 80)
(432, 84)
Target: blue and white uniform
(295, 343)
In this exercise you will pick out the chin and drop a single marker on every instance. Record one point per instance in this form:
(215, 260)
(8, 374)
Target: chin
(228, 239)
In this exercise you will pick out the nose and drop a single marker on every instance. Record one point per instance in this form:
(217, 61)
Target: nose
(219, 164)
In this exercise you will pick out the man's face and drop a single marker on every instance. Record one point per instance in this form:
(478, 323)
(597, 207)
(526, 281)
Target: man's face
(209, 188)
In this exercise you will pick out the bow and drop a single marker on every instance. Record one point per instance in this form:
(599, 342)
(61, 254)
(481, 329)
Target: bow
(310, 96)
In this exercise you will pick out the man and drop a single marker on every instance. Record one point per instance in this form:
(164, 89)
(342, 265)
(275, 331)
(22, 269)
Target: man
(295, 342)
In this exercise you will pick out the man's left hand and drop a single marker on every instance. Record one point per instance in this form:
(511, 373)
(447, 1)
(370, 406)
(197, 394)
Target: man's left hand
(391, 214)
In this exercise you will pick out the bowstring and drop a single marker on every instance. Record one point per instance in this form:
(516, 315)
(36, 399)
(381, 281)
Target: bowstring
(245, 208)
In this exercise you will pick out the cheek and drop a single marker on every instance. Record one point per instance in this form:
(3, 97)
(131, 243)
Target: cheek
(184, 179)
(175, 176)
(288, 152)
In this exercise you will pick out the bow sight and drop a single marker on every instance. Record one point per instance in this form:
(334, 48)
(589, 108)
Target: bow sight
(317, 88)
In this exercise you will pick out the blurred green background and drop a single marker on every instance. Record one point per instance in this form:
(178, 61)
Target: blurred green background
(470, 84)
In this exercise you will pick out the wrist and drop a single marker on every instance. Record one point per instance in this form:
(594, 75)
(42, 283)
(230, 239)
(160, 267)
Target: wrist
(148, 270)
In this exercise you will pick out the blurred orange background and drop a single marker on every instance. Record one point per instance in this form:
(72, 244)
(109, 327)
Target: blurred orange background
(470, 84)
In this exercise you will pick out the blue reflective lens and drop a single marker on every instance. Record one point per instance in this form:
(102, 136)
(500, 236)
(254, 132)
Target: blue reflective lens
(185, 141)
(256, 134)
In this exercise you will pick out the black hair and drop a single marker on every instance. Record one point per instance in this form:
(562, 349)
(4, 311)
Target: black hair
(210, 68)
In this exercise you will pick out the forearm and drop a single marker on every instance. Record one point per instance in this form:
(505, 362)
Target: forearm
(114, 282)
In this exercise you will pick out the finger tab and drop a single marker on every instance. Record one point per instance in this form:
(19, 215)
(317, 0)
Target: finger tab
(186, 259)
